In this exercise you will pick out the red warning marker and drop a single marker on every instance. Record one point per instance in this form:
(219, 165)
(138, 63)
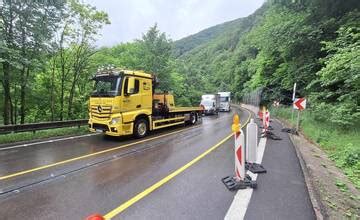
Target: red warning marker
(95, 216)
(300, 103)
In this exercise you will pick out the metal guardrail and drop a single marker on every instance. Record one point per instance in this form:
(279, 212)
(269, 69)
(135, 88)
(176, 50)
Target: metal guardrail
(6, 129)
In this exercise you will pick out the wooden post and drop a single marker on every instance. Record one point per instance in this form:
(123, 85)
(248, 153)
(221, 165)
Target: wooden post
(298, 121)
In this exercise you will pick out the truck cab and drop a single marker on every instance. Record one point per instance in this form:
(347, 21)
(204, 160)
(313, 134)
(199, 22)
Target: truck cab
(118, 98)
(211, 103)
(225, 100)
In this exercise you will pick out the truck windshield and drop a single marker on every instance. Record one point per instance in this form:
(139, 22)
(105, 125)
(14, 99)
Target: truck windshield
(224, 99)
(207, 102)
(107, 86)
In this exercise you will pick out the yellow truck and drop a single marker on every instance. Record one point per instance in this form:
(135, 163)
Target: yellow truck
(124, 102)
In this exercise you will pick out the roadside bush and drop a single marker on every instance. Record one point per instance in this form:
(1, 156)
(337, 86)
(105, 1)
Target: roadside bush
(352, 155)
(342, 145)
(344, 115)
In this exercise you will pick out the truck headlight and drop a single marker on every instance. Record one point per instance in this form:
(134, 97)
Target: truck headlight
(115, 120)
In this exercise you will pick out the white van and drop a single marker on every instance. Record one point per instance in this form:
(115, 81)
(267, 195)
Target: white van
(225, 101)
(211, 103)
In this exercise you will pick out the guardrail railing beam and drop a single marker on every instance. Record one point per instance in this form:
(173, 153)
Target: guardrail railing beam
(6, 129)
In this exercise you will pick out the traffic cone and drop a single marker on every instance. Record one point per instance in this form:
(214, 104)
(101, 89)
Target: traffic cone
(95, 216)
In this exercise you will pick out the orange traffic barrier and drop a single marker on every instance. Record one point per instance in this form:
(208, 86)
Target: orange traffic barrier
(95, 216)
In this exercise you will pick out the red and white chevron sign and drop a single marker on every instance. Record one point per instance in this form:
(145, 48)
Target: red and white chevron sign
(239, 155)
(299, 103)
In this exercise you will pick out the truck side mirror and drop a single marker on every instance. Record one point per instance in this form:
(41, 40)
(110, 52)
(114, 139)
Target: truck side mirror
(130, 86)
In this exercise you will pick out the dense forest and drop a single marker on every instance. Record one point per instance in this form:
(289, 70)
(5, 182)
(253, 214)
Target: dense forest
(48, 54)
(313, 43)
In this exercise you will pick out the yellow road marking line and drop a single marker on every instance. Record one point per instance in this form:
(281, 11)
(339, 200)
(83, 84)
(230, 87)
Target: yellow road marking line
(90, 155)
(152, 188)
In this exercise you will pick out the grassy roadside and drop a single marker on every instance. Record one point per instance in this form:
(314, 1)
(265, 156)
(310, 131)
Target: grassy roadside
(342, 146)
(26, 136)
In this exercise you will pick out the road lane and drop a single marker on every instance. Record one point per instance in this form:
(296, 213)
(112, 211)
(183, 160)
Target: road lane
(105, 185)
(23, 178)
(17, 160)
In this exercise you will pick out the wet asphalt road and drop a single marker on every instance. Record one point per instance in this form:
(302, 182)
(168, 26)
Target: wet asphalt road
(103, 182)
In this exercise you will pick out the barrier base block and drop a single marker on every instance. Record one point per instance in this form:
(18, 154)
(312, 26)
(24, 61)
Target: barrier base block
(290, 130)
(232, 184)
(270, 135)
(255, 168)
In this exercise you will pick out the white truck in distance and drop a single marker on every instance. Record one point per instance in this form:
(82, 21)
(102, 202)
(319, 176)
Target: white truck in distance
(211, 103)
(225, 101)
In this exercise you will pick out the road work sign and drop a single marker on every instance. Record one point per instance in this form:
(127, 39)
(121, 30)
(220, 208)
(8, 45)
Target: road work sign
(299, 104)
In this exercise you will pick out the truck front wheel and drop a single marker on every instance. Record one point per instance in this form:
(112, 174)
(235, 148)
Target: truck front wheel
(141, 128)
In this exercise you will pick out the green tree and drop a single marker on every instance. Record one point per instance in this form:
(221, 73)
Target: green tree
(156, 54)
(25, 29)
(337, 87)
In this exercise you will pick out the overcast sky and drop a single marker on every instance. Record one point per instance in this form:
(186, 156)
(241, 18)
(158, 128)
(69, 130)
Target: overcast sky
(178, 18)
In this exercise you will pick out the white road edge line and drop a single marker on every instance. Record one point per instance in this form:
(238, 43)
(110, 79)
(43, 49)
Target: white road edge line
(241, 200)
(48, 141)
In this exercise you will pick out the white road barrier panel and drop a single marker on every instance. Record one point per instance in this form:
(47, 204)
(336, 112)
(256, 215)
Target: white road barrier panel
(251, 141)
(251, 148)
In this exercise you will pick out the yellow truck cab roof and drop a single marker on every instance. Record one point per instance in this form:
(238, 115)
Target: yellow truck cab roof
(139, 73)
(118, 71)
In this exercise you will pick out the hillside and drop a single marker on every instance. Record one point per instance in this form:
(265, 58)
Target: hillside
(190, 42)
(312, 43)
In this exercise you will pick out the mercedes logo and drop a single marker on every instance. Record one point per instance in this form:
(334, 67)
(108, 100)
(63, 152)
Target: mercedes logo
(99, 108)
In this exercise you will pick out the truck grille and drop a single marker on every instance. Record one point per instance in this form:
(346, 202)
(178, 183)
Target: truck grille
(100, 127)
(100, 112)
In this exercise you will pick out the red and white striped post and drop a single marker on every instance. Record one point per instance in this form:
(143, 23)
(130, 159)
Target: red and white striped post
(267, 120)
(263, 120)
(239, 149)
(240, 180)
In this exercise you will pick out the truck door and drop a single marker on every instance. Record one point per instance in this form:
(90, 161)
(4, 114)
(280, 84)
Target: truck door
(131, 102)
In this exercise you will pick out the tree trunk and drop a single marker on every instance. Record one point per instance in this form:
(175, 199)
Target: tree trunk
(52, 98)
(6, 85)
(24, 77)
(71, 97)
(11, 111)
(62, 98)
(15, 104)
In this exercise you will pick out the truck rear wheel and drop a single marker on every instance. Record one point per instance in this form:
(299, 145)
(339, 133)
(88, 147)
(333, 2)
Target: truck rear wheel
(141, 128)
(193, 118)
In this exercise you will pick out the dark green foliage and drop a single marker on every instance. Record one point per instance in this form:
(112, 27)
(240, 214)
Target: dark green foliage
(312, 43)
(44, 57)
